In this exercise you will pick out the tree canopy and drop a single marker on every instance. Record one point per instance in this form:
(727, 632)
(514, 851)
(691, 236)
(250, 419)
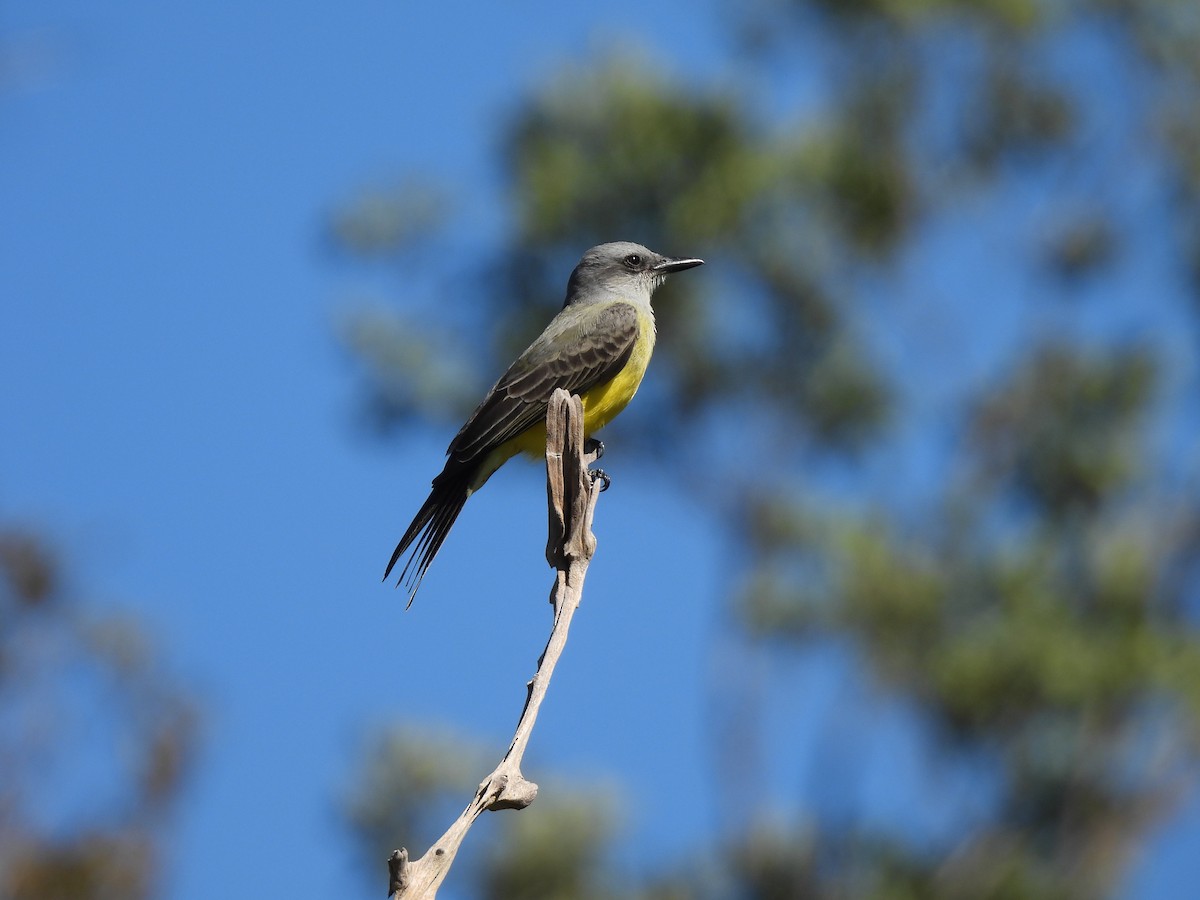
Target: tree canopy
(952, 246)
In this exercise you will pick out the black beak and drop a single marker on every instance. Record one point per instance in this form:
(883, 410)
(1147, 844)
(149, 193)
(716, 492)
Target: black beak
(667, 266)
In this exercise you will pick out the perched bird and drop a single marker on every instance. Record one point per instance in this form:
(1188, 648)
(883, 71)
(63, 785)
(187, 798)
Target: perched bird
(597, 346)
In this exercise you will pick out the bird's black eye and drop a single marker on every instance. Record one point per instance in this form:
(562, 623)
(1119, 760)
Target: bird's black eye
(633, 261)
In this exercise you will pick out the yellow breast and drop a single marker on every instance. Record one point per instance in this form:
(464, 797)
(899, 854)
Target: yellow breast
(600, 404)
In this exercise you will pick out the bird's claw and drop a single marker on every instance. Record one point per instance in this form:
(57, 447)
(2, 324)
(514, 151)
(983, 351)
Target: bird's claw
(601, 476)
(594, 448)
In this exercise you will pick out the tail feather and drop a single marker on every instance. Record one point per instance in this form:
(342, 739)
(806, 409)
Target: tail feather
(430, 527)
(435, 533)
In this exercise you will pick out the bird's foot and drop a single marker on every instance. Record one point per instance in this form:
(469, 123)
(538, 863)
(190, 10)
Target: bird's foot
(593, 448)
(601, 476)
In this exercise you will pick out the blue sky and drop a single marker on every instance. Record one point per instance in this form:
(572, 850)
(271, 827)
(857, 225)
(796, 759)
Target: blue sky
(184, 418)
(179, 418)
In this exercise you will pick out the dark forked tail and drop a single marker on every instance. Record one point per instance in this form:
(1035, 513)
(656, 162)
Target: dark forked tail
(431, 525)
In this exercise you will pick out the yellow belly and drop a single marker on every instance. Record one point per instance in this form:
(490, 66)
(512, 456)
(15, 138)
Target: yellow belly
(601, 405)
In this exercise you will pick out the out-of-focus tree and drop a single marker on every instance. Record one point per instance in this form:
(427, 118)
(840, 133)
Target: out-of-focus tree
(1033, 600)
(83, 702)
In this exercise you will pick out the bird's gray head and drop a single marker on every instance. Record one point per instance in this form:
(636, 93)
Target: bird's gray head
(624, 269)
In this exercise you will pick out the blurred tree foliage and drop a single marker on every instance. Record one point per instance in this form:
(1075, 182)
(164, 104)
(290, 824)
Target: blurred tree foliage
(82, 702)
(1037, 600)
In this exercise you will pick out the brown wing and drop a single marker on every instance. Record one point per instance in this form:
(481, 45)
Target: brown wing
(576, 356)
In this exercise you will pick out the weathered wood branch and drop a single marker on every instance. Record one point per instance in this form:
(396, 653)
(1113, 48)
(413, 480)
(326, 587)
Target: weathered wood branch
(572, 503)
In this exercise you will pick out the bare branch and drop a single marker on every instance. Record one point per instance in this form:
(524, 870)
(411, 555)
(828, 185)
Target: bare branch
(572, 504)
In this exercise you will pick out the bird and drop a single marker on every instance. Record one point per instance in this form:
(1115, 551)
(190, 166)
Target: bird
(597, 346)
